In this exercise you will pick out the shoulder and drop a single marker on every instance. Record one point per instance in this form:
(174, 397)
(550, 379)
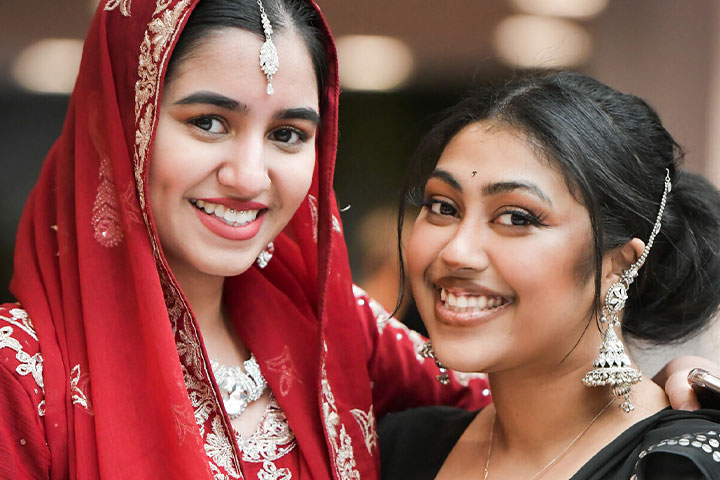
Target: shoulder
(415, 443)
(20, 352)
(681, 444)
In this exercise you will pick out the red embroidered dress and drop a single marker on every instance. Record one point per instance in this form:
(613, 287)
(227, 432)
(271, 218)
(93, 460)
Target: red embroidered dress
(103, 372)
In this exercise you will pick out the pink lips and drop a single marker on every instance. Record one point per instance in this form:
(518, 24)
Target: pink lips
(222, 229)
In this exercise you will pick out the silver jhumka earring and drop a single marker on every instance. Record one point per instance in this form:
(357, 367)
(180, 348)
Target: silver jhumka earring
(264, 258)
(269, 60)
(612, 366)
(427, 352)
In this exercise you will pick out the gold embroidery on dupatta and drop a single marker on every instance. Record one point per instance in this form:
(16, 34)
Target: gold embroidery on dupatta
(79, 386)
(340, 442)
(123, 4)
(154, 52)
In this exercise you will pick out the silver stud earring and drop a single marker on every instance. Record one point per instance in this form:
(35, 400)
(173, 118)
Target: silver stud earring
(264, 258)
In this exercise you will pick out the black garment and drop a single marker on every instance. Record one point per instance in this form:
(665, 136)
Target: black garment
(672, 445)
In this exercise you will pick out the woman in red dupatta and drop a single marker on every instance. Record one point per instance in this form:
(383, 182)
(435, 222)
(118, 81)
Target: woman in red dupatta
(105, 373)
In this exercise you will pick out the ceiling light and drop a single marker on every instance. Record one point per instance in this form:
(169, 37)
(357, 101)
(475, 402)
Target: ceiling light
(49, 66)
(562, 8)
(529, 41)
(369, 62)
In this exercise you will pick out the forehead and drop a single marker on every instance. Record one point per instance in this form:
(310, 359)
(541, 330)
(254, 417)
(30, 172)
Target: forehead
(228, 59)
(500, 153)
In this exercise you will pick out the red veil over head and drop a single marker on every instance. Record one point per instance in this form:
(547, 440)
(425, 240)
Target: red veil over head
(129, 392)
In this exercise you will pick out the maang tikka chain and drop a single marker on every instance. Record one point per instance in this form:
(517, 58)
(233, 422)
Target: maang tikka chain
(612, 366)
(269, 60)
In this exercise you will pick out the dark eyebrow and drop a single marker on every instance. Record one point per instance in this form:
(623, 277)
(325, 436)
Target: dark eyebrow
(447, 178)
(212, 98)
(300, 114)
(506, 187)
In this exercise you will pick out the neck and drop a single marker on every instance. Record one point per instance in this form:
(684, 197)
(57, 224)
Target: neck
(204, 294)
(531, 409)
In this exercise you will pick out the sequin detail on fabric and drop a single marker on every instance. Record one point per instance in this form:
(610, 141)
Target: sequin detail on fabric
(106, 216)
(707, 442)
(340, 442)
(123, 4)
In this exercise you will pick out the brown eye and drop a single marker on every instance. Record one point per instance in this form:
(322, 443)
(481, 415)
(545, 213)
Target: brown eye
(209, 124)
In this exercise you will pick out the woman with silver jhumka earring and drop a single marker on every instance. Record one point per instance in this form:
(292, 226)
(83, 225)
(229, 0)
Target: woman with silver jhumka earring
(555, 222)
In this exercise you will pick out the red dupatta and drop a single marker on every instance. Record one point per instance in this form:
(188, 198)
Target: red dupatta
(128, 393)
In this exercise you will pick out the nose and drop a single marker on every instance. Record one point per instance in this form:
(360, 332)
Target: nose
(466, 249)
(245, 171)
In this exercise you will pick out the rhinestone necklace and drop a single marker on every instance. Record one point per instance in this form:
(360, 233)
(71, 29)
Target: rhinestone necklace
(554, 459)
(238, 388)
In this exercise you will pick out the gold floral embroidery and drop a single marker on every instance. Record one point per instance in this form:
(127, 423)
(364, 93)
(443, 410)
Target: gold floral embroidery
(366, 420)
(340, 441)
(123, 4)
(79, 388)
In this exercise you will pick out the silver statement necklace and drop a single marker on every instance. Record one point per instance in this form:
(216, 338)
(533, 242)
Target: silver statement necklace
(556, 457)
(239, 386)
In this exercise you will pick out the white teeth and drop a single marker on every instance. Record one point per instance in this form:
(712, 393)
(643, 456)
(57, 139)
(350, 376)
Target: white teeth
(464, 303)
(228, 215)
(482, 302)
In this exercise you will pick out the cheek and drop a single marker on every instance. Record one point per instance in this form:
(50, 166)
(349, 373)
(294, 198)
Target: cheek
(423, 247)
(294, 180)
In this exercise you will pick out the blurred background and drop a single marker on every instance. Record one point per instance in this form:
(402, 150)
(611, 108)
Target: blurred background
(401, 62)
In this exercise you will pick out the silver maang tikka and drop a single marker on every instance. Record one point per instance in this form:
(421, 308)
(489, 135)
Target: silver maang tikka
(612, 366)
(269, 61)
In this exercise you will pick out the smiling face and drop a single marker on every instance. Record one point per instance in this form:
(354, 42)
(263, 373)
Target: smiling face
(499, 258)
(230, 163)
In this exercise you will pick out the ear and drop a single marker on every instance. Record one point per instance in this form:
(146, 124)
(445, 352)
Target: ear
(618, 260)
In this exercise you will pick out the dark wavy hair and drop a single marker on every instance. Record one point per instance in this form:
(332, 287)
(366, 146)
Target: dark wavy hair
(209, 16)
(613, 151)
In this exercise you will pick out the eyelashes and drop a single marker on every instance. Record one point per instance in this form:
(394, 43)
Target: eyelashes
(509, 216)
